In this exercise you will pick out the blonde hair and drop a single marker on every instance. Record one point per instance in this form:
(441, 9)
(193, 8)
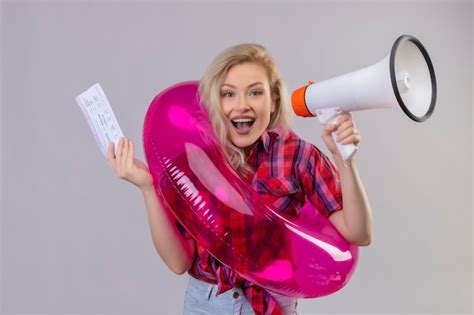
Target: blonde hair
(211, 83)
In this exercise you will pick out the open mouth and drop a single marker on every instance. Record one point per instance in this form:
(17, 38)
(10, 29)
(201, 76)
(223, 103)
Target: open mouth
(243, 125)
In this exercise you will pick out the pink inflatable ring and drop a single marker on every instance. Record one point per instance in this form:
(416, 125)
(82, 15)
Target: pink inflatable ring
(300, 258)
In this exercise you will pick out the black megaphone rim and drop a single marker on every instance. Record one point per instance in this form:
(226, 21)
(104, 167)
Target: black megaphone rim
(394, 79)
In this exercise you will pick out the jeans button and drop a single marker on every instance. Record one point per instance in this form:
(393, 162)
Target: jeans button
(236, 295)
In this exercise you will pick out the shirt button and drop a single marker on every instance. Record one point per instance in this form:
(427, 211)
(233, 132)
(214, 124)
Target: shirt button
(236, 295)
(278, 190)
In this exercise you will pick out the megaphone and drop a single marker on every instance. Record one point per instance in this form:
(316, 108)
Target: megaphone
(404, 79)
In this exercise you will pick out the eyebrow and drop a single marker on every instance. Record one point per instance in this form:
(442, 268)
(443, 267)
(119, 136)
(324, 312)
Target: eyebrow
(251, 85)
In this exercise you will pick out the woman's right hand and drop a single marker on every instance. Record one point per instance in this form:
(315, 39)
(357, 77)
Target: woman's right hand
(126, 166)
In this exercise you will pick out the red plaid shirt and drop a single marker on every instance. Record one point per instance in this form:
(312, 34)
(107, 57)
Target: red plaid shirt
(287, 171)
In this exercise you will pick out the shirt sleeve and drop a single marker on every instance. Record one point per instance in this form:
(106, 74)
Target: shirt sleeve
(320, 181)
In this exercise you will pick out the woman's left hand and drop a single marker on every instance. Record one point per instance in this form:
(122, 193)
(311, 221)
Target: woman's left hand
(346, 133)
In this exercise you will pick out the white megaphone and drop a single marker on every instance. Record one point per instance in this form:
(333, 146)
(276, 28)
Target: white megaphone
(404, 78)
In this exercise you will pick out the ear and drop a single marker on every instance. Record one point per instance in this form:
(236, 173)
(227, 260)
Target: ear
(273, 107)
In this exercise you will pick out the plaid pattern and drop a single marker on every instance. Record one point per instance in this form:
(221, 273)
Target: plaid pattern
(287, 172)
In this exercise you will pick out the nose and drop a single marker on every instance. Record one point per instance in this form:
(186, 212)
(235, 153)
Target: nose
(242, 103)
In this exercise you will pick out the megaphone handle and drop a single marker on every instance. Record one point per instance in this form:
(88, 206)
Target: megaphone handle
(347, 150)
(330, 116)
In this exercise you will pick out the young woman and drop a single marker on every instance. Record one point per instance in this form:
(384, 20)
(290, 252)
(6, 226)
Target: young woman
(249, 109)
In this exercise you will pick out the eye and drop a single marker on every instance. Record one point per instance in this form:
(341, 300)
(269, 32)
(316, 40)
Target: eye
(256, 92)
(227, 94)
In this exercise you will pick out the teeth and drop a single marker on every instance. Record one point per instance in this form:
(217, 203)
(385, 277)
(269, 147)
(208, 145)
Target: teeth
(242, 120)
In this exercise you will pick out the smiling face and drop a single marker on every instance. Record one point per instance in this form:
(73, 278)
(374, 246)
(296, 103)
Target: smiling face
(246, 102)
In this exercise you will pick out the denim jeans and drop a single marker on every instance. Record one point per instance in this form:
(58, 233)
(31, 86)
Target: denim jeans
(200, 299)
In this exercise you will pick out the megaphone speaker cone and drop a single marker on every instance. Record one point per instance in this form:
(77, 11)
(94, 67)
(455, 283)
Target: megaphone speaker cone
(413, 78)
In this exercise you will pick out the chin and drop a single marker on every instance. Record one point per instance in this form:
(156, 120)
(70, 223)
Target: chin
(243, 143)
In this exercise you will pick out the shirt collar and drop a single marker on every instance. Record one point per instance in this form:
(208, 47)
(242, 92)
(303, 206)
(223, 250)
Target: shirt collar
(268, 135)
